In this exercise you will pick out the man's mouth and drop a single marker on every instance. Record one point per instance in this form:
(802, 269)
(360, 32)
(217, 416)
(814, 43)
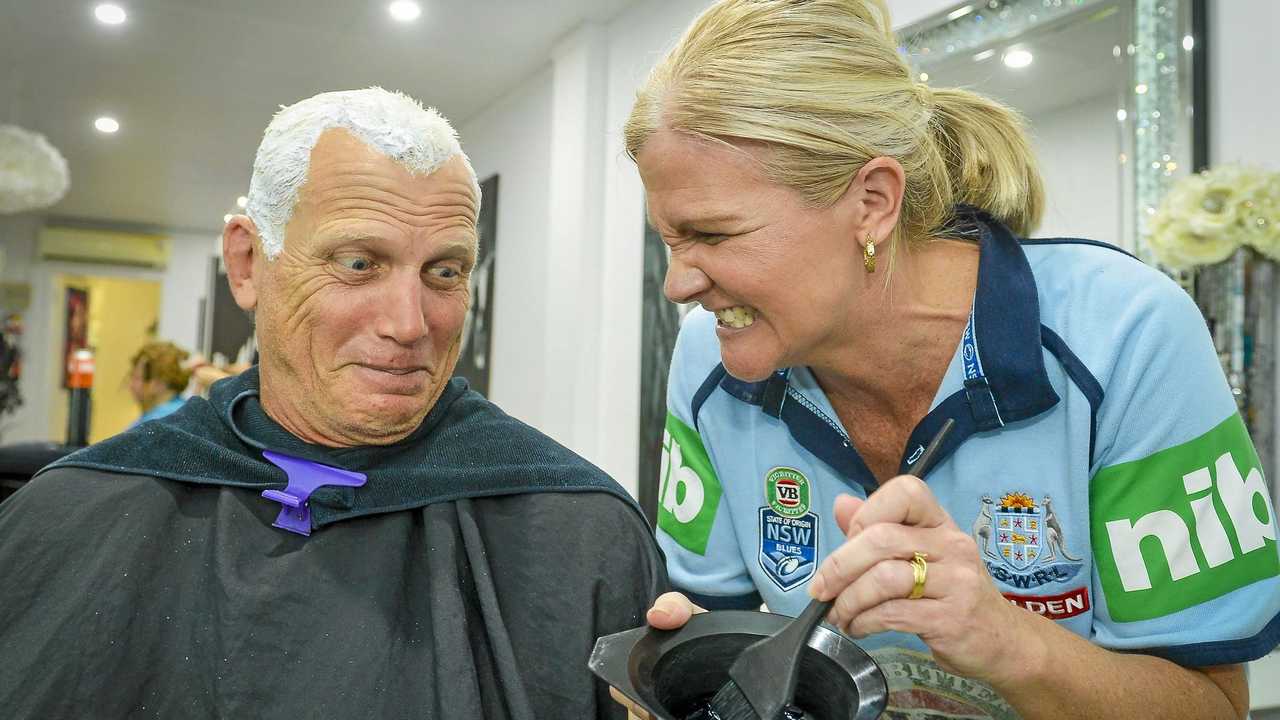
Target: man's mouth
(738, 316)
(396, 369)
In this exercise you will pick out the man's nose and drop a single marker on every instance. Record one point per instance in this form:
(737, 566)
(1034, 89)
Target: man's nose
(401, 313)
(685, 281)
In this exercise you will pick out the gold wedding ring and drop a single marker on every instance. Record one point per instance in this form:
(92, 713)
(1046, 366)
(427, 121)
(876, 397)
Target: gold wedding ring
(920, 572)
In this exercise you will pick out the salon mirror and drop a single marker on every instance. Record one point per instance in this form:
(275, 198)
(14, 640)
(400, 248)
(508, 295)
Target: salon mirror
(1105, 86)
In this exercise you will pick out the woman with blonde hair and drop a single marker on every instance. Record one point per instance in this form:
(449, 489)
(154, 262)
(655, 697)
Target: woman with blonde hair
(158, 378)
(1092, 541)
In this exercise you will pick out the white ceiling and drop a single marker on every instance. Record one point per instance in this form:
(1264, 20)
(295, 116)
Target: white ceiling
(194, 82)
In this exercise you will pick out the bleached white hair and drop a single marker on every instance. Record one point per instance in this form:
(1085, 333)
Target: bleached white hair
(392, 123)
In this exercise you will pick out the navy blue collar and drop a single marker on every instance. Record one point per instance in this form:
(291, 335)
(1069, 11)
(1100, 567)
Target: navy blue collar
(1006, 317)
(1013, 385)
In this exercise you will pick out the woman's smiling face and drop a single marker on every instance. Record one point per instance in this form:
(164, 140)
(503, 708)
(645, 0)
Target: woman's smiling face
(780, 275)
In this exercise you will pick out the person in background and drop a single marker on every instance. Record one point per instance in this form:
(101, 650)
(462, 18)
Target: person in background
(158, 377)
(204, 373)
(1095, 540)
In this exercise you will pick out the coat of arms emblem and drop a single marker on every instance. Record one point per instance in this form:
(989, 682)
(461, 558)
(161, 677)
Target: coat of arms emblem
(1022, 532)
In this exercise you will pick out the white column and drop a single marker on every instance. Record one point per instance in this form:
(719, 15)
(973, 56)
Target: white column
(576, 370)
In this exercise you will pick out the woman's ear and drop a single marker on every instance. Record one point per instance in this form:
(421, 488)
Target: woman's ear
(240, 253)
(877, 193)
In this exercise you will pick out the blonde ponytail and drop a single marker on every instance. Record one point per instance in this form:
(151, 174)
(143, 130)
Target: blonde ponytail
(989, 160)
(822, 82)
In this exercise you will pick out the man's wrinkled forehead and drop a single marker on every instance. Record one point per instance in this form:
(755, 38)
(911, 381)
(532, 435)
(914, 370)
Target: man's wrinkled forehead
(347, 178)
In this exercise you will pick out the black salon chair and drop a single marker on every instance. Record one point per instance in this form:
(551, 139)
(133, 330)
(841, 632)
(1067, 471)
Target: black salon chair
(18, 462)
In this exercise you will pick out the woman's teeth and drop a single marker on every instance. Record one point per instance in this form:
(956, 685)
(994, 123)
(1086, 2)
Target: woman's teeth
(738, 316)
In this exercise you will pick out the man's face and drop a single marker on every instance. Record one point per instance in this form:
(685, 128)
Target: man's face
(359, 318)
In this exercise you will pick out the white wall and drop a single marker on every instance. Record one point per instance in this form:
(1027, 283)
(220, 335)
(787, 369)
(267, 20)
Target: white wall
(1078, 147)
(906, 12)
(182, 286)
(570, 228)
(1244, 61)
(513, 139)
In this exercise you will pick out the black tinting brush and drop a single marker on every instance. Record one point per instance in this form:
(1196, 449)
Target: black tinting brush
(762, 680)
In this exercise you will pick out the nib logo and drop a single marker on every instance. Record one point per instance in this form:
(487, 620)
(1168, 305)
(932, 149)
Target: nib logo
(1183, 526)
(689, 492)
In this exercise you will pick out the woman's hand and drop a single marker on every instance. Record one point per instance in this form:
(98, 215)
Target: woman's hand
(972, 630)
(671, 611)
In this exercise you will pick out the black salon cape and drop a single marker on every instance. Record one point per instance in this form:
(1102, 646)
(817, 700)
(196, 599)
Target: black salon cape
(468, 579)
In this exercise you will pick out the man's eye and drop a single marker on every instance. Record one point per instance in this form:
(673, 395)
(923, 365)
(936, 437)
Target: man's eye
(444, 272)
(709, 239)
(357, 263)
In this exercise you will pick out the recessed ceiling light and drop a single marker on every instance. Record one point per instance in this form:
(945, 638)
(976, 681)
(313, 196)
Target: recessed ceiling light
(959, 12)
(985, 54)
(226, 219)
(106, 124)
(109, 14)
(1018, 58)
(1188, 43)
(404, 10)
(1122, 115)
(1140, 88)
(924, 77)
(242, 201)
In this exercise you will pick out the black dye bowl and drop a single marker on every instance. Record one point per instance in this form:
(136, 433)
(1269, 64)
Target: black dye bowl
(668, 672)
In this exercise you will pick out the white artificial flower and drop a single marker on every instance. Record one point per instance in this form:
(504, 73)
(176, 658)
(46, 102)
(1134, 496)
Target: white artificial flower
(33, 174)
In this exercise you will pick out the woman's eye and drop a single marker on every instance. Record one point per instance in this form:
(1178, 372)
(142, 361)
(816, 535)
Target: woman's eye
(355, 262)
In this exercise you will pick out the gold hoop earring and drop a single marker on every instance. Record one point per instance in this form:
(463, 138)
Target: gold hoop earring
(869, 254)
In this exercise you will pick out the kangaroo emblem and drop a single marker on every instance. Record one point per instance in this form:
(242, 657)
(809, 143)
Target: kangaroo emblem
(982, 528)
(1053, 533)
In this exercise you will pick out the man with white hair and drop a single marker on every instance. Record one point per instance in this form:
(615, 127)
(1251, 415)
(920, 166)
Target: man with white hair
(342, 530)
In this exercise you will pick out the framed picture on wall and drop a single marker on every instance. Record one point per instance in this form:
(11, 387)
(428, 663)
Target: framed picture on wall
(225, 329)
(75, 328)
(477, 331)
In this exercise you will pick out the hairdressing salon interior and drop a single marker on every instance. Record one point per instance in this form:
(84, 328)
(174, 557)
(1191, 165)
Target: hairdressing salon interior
(128, 132)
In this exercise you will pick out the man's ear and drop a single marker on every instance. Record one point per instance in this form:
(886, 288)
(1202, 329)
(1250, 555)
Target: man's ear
(241, 253)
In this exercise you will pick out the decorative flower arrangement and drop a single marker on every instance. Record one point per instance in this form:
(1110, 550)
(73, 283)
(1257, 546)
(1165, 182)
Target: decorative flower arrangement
(33, 174)
(1205, 217)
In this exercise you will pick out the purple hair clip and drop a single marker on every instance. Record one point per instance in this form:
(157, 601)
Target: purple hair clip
(304, 477)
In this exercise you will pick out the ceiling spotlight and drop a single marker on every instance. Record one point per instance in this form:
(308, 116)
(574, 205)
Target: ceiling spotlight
(1140, 88)
(226, 219)
(1188, 43)
(1122, 115)
(404, 10)
(106, 125)
(1018, 58)
(109, 14)
(924, 77)
(242, 201)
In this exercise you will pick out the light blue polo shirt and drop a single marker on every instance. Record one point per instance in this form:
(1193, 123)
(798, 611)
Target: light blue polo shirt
(1098, 460)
